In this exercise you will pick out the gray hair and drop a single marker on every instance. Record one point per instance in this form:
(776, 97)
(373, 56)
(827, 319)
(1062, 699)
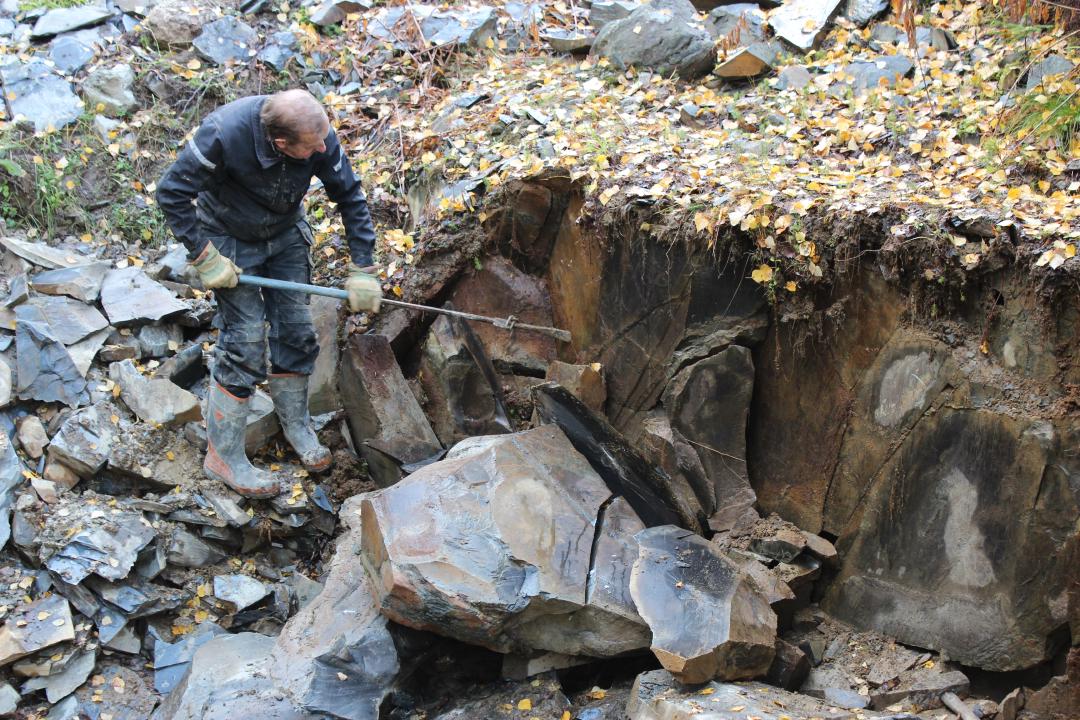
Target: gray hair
(291, 113)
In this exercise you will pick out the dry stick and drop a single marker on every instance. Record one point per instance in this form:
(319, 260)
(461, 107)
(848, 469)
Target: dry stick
(951, 701)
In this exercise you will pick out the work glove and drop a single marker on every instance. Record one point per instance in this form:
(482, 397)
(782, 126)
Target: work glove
(215, 270)
(364, 290)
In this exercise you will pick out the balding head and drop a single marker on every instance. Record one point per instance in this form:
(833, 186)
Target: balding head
(295, 122)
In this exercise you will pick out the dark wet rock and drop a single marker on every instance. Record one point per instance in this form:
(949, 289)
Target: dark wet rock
(801, 22)
(1052, 65)
(65, 19)
(226, 504)
(585, 382)
(129, 296)
(84, 440)
(336, 654)
(498, 289)
(108, 550)
(528, 519)
(861, 12)
(46, 371)
(657, 695)
(603, 12)
(279, 50)
(789, 667)
(188, 550)
(226, 40)
(464, 397)
(228, 678)
(747, 61)
(154, 400)
(172, 660)
(709, 404)
(567, 41)
(68, 320)
(110, 89)
(657, 498)
(746, 18)
(69, 54)
(240, 590)
(782, 544)
(919, 689)
(137, 598)
(36, 625)
(540, 697)
(707, 618)
(675, 41)
(81, 282)
(18, 291)
(666, 448)
(62, 684)
(387, 425)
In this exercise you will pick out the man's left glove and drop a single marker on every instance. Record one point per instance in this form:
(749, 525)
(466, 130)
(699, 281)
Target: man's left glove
(365, 292)
(215, 270)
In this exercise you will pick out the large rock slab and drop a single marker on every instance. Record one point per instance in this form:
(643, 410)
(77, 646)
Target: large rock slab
(709, 620)
(387, 425)
(82, 282)
(155, 400)
(129, 297)
(709, 404)
(226, 40)
(960, 543)
(46, 371)
(664, 36)
(84, 440)
(34, 626)
(801, 22)
(69, 321)
(493, 548)
(323, 385)
(65, 19)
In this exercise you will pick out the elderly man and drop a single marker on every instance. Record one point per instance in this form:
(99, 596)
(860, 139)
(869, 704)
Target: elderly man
(233, 197)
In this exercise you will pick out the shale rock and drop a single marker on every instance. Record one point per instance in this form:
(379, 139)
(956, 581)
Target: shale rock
(675, 41)
(707, 618)
(129, 297)
(154, 400)
(801, 22)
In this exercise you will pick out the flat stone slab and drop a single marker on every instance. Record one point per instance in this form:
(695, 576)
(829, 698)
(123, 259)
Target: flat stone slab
(129, 296)
(675, 41)
(38, 253)
(241, 590)
(60, 20)
(81, 282)
(225, 40)
(36, 94)
(46, 371)
(154, 400)
(34, 626)
(801, 21)
(68, 320)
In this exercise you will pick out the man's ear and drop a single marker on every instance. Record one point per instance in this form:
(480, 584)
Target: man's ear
(279, 143)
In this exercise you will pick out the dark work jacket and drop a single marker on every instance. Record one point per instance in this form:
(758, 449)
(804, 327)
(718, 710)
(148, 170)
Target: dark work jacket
(245, 185)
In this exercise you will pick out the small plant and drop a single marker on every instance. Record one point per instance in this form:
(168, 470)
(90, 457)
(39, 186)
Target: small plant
(1050, 112)
(27, 5)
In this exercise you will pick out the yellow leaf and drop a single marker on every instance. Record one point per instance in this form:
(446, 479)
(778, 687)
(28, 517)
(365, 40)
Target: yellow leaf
(201, 616)
(524, 704)
(762, 275)
(194, 64)
(702, 221)
(790, 286)
(707, 691)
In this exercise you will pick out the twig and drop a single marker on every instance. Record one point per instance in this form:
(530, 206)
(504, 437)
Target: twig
(951, 701)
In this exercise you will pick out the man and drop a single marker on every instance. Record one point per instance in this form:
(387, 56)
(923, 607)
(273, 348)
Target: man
(233, 197)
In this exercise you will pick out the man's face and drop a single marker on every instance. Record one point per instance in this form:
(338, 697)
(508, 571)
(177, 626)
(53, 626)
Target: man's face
(303, 147)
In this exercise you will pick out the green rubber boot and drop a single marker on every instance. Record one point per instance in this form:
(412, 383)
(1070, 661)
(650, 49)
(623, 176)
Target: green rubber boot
(226, 460)
(290, 394)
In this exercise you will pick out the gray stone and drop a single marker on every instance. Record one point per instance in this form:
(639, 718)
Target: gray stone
(69, 321)
(69, 54)
(9, 699)
(82, 353)
(60, 20)
(323, 385)
(109, 90)
(190, 551)
(664, 36)
(747, 61)
(35, 93)
(278, 51)
(603, 12)
(81, 282)
(332, 12)
(226, 506)
(262, 425)
(461, 26)
(747, 18)
(1052, 65)
(708, 620)
(59, 686)
(34, 626)
(36, 253)
(336, 654)
(861, 12)
(172, 660)
(544, 693)
(241, 590)
(66, 709)
(502, 561)
(32, 436)
(136, 7)
(847, 699)
(18, 291)
(709, 403)
(387, 425)
(800, 22)
(11, 477)
(567, 41)
(129, 296)
(789, 667)
(883, 70)
(177, 22)
(46, 371)
(108, 551)
(793, 77)
(226, 40)
(154, 400)
(585, 382)
(920, 689)
(122, 695)
(5, 383)
(125, 641)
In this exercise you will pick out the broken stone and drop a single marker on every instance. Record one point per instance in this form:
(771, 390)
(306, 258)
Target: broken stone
(667, 449)
(585, 382)
(31, 627)
(789, 668)
(125, 641)
(9, 699)
(801, 22)
(567, 41)
(81, 282)
(883, 70)
(36, 253)
(821, 548)
(747, 61)
(387, 425)
(18, 292)
(746, 18)
(136, 598)
(529, 496)
(861, 12)
(675, 41)
(277, 53)
(45, 489)
(69, 321)
(5, 383)
(83, 441)
(129, 296)
(122, 694)
(1052, 65)
(226, 40)
(154, 400)
(920, 688)
(82, 353)
(65, 19)
(707, 618)
(59, 686)
(187, 550)
(655, 497)
(46, 371)
(108, 551)
(891, 661)
(1011, 704)
(172, 660)
(241, 590)
(603, 12)
(227, 507)
(177, 22)
(461, 26)
(159, 340)
(783, 544)
(111, 87)
(11, 476)
(332, 12)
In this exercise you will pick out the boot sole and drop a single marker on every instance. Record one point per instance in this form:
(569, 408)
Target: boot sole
(261, 494)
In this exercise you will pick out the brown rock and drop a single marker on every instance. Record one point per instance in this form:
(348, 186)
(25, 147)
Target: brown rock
(586, 382)
(32, 436)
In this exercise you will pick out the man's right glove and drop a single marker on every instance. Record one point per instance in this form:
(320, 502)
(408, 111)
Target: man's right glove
(215, 270)
(364, 290)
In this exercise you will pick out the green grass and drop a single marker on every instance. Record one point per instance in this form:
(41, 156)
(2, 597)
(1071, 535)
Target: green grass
(26, 5)
(1047, 115)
